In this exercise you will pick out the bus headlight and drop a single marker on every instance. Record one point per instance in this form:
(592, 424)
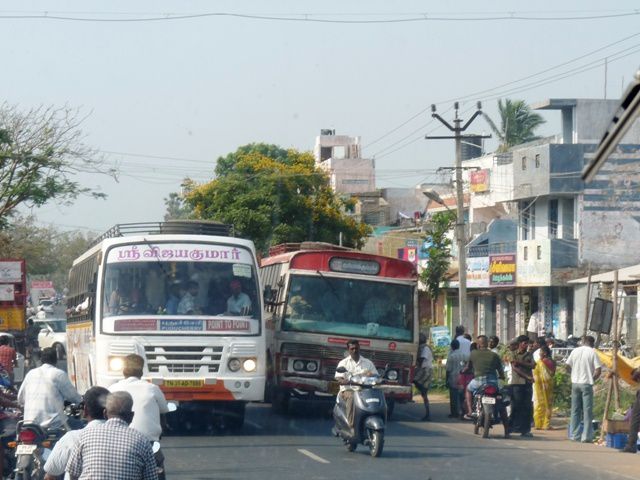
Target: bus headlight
(249, 365)
(392, 375)
(234, 364)
(312, 366)
(116, 364)
(298, 365)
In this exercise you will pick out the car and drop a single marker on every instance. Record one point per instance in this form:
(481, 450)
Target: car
(46, 306)
(18, 369)
(53, 333)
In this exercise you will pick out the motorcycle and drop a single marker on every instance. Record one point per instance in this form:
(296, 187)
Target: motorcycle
(34, 443)
(490, 408)
(369, 414)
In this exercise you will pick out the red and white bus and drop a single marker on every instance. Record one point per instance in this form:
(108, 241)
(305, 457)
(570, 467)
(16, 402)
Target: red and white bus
(319, 296)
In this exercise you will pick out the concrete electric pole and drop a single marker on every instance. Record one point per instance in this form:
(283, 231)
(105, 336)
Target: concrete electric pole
(461, 237)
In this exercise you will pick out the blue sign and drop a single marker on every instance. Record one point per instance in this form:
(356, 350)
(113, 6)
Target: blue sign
(181, 325)
(440, 336)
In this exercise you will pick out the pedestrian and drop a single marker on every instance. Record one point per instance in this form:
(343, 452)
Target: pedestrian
(7, 356)
(521, 386)
(535, 328)
(424, 373)
(95, 401)
(456, 360)
(465, 377)
(543, 374)
(113, 450)
(494, 343)
(585, 368)
(465, 343)
(634, 423)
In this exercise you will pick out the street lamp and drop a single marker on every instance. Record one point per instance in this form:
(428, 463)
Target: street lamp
(433, 195)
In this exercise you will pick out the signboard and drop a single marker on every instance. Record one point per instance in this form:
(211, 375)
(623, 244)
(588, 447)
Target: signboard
(11, 272)
(440, 336)
(41, 284)
(479, 181)
(179, 252)
(477, 272)
(502, 270)
(7, 293)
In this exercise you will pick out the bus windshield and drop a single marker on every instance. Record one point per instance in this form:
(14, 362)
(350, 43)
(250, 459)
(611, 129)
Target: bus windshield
(183, 281)
(346, 306)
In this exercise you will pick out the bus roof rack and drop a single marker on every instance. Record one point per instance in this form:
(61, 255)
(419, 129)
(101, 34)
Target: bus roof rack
(178, 227)
(293, 247)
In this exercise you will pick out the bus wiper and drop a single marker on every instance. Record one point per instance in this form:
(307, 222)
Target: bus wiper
(328, 282)
(159, 263)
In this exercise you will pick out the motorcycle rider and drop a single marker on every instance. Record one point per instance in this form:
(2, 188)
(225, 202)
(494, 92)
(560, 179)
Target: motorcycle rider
(44, 391)
(149, 403)
(95, 400)
(487, 368)
(355, 364)
(8, 421)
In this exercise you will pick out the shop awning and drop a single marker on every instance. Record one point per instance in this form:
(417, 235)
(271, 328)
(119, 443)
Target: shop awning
(627, 274)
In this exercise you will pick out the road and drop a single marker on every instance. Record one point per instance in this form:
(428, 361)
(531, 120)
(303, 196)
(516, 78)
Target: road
(300, 445)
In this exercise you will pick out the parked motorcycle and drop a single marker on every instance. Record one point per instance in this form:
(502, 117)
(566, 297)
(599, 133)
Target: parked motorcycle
(490, 408)
(369, 415)
(34, 443)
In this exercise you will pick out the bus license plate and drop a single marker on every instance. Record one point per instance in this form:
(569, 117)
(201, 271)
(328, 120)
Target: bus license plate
(488, 400)
(183, 383)
(334, 388)
(25, 449)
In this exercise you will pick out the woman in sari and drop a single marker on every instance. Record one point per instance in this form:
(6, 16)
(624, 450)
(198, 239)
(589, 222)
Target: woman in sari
(543, 388)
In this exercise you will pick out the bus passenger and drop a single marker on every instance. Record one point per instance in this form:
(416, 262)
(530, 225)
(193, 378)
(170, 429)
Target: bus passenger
(239, 302)
(171, 307)
(187, 303)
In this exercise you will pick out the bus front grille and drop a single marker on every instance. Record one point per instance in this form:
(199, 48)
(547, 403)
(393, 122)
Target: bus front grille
(183, 359)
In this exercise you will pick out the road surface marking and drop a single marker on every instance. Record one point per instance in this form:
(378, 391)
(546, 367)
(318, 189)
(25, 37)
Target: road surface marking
(313, 456)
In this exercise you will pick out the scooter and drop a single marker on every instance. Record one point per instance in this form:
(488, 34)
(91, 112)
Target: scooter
(370, 413)
(490, 408)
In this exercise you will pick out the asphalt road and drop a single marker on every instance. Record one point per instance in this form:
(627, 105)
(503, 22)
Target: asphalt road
(300, 445)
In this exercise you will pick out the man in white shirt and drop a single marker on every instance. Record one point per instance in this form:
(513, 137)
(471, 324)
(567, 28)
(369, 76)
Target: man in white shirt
(239, 302)
(148, 400)
(355, 364)
(535, 328)
(44, 391)
(585, 368)
(465, 343)
(95, 401)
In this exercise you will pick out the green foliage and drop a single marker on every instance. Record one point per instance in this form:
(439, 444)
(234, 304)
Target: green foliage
(439, 252)
(177, 207)
(276, 199)
(440, 352)
(562, 391)
(48, 252)
(40, 152)
(517, 124)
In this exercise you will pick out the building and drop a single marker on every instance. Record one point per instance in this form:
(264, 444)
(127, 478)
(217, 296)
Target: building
(340, 156)
(545, 226)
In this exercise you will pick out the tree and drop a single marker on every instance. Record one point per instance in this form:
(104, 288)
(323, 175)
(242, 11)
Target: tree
(177, 207)
(227, 164)
(48, 252)
(276, 199)
(517, 124)
(439, 253)
(40, 151)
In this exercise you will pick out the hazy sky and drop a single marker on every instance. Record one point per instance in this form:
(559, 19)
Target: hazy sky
(190, 90)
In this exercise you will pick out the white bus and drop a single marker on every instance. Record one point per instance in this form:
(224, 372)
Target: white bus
(183, 295)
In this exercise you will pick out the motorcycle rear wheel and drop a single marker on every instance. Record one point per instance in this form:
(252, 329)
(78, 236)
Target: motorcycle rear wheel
(376, 442)
(487, 420)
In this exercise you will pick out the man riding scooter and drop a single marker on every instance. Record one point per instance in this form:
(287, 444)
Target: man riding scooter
(487, 367)
(355, 364)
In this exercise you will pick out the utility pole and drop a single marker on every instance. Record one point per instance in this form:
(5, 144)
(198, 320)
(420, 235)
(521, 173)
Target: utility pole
(461, 237)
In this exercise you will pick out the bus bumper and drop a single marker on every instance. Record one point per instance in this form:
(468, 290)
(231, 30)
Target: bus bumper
(303, 387)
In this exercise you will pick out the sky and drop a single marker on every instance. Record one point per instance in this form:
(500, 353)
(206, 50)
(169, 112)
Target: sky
(165, 96)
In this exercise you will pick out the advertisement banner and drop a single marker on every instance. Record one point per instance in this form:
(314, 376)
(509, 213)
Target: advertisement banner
(502, 270)
(440, 336)
(10, 272)
(479, 181)
(478, 272)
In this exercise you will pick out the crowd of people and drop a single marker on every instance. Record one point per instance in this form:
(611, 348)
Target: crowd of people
(120, 423)
(527, 368)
